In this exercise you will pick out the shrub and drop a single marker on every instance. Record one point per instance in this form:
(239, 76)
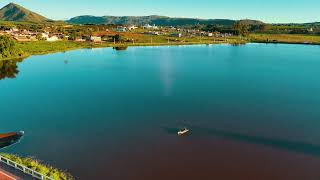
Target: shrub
(8, 48)
(39, 167)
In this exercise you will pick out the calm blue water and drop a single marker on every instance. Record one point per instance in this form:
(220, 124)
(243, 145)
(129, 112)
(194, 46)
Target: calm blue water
(253, 111)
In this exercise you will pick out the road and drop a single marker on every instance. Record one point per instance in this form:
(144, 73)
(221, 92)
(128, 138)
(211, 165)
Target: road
(9, 173)
(4, 175)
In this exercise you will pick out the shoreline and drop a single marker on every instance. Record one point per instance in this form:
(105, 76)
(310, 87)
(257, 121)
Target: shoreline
(105, 45)
(282, 42)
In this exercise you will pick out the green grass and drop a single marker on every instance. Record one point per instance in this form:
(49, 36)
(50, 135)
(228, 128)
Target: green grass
(285, 38)
(39, 167)
(44, 47)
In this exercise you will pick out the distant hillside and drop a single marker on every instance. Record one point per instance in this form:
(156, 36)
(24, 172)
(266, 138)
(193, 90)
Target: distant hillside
(141, 20)
(15, 12)
(312, 24)
(252, 22)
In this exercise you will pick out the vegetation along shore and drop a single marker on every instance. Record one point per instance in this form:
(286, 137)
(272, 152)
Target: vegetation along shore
(25, 49)
(38, 166)
(35, 34)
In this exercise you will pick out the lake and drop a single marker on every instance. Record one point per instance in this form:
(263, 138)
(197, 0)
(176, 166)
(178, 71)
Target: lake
(253, 111)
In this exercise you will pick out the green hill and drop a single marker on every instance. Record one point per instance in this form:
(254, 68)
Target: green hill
(15, 12)
(141, 20)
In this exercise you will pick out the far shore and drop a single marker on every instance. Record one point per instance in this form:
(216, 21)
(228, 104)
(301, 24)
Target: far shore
(99, 45)
(43, 47)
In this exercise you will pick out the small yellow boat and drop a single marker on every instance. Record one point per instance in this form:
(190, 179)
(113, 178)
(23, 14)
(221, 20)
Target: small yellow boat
(183, 132)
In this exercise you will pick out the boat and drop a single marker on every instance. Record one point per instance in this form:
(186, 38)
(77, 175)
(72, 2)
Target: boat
(10, 138)
(183, 132)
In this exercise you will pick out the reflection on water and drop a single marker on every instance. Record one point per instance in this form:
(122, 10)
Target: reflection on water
(9, 68)
(294, 146)
(106, 114)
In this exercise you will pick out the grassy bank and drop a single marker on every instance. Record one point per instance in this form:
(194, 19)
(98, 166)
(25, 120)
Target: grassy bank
(44, 47)
(285, 38)
(39, 167)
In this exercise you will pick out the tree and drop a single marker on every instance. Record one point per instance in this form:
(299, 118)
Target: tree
(212, 28)
(265, 27)
(39, 37)
(8, 48)
(73, 35)
(117, 38)
(241, 28)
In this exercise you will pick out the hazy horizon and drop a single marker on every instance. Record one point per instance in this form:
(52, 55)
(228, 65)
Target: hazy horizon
(271, 11)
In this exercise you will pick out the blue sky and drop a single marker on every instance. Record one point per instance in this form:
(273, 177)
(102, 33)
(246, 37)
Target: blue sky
(276, 11)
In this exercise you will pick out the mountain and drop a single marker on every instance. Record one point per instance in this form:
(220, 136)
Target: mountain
(141, 20)
(15, 12)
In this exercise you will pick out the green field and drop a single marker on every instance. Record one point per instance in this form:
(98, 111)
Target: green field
(285, 38)
(44, 47)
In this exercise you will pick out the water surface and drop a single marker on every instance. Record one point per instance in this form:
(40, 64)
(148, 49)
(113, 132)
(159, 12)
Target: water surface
(253, 111)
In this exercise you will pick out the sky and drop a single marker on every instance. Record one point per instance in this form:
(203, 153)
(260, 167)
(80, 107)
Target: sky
(271, 11)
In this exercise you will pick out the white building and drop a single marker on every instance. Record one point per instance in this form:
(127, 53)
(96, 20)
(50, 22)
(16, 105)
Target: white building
(148, 26)
(52, 38)
(14, 29)
(179, 35)
(79, 40)
(132, 27)
(45, 35)
(95, 39)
